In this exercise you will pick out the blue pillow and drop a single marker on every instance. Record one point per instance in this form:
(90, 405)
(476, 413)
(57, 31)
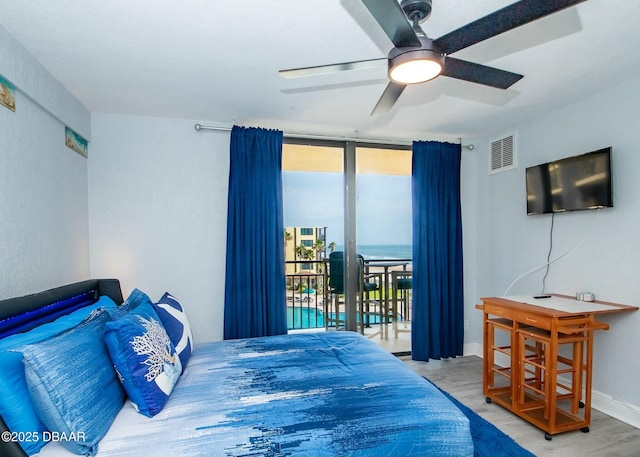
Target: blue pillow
(16, 406)
(74, 387)
(135, 298)
(144, 357)
(175, 321)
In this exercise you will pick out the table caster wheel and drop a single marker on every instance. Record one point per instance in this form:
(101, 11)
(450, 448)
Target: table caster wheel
(584, 429)
(488, 400)
(581, 404)
(547, 437)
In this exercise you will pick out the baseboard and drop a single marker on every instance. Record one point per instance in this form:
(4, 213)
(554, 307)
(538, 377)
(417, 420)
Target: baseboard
(472, 349)
(623, 411)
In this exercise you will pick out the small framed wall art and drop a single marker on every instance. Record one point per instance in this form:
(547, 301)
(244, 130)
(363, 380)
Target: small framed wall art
(7, 94)
(76, 142)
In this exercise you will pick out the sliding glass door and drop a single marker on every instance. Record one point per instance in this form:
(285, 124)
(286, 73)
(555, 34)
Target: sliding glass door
(341, 196)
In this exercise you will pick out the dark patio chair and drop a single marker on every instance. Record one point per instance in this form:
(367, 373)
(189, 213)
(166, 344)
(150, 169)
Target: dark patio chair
(369, 307)
(401, 285)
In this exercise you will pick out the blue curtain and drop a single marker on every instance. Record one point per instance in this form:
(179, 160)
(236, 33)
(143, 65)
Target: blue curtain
(438, 306)
(255, 301)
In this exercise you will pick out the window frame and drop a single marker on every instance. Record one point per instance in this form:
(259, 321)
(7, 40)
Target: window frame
(349, 148)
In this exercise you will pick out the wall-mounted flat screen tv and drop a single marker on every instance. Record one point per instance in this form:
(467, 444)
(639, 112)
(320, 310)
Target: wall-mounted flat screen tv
(571, 184)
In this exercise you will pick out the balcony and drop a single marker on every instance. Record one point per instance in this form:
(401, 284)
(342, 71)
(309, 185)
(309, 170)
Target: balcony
(305, 292)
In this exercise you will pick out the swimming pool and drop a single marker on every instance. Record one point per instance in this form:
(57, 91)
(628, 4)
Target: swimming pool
(299, 318)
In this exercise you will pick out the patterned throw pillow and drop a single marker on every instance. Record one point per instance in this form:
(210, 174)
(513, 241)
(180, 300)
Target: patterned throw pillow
(16, 407)
(175, 321)
(74, 388)
(144, 357)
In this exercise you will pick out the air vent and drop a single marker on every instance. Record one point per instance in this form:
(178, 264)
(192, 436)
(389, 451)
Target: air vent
(503, 154)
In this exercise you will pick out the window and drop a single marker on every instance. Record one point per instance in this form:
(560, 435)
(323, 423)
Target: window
(384, 202)
(313, 181)
(319, 181)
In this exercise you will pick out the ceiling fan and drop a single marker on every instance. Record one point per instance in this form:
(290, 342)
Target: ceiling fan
(416, 58)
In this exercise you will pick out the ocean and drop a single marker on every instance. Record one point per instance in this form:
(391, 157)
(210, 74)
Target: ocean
(383, 251)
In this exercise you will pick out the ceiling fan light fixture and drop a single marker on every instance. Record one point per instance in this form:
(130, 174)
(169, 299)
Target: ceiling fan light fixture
(414, 67)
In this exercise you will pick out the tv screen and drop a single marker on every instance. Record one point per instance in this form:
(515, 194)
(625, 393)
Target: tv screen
(571, 184)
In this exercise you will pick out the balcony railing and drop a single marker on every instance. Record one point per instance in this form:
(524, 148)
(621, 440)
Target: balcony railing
(306, 290)
(305, 294)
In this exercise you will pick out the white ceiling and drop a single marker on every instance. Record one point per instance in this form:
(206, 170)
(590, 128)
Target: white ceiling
(217, 61)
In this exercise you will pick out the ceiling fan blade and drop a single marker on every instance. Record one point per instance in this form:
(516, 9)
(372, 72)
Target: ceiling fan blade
(388, 98)
(391, 17)
(480, 74)
(333, 68)
(501, 21)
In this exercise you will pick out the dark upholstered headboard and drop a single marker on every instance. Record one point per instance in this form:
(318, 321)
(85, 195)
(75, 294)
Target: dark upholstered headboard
(18, 305)
(15, 306)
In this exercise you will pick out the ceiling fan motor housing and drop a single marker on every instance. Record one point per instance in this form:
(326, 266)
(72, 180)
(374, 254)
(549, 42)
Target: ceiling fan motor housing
(416, 9)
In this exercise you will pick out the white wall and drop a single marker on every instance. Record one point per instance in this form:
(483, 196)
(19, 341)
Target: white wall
(607, 262)
(469, 170)
(158, 211)
(31, 78)
(44, 232)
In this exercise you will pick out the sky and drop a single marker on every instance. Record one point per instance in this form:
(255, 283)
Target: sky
(314, 199)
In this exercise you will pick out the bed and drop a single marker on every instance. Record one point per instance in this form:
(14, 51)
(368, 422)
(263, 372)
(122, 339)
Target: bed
(310, 394)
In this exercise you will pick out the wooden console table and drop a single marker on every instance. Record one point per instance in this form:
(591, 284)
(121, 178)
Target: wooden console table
(546, 348)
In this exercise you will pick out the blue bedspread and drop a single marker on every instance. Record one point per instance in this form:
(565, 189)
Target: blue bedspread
(324, 394)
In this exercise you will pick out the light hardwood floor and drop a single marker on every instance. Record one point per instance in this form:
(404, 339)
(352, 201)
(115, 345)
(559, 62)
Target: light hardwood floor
(462, 378)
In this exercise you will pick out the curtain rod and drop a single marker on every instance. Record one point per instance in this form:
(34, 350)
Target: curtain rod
(199, 127)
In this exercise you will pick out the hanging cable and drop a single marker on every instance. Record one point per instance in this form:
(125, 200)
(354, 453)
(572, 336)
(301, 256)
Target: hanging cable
(506, 292)
(544, 278)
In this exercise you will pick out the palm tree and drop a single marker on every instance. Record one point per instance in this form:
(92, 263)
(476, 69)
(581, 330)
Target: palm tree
(305, 253)
(308, 254)
(319, 247)
(287, 237)
(332, 246)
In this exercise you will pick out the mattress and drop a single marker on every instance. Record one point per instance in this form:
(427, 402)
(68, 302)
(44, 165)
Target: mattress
(321, 394)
